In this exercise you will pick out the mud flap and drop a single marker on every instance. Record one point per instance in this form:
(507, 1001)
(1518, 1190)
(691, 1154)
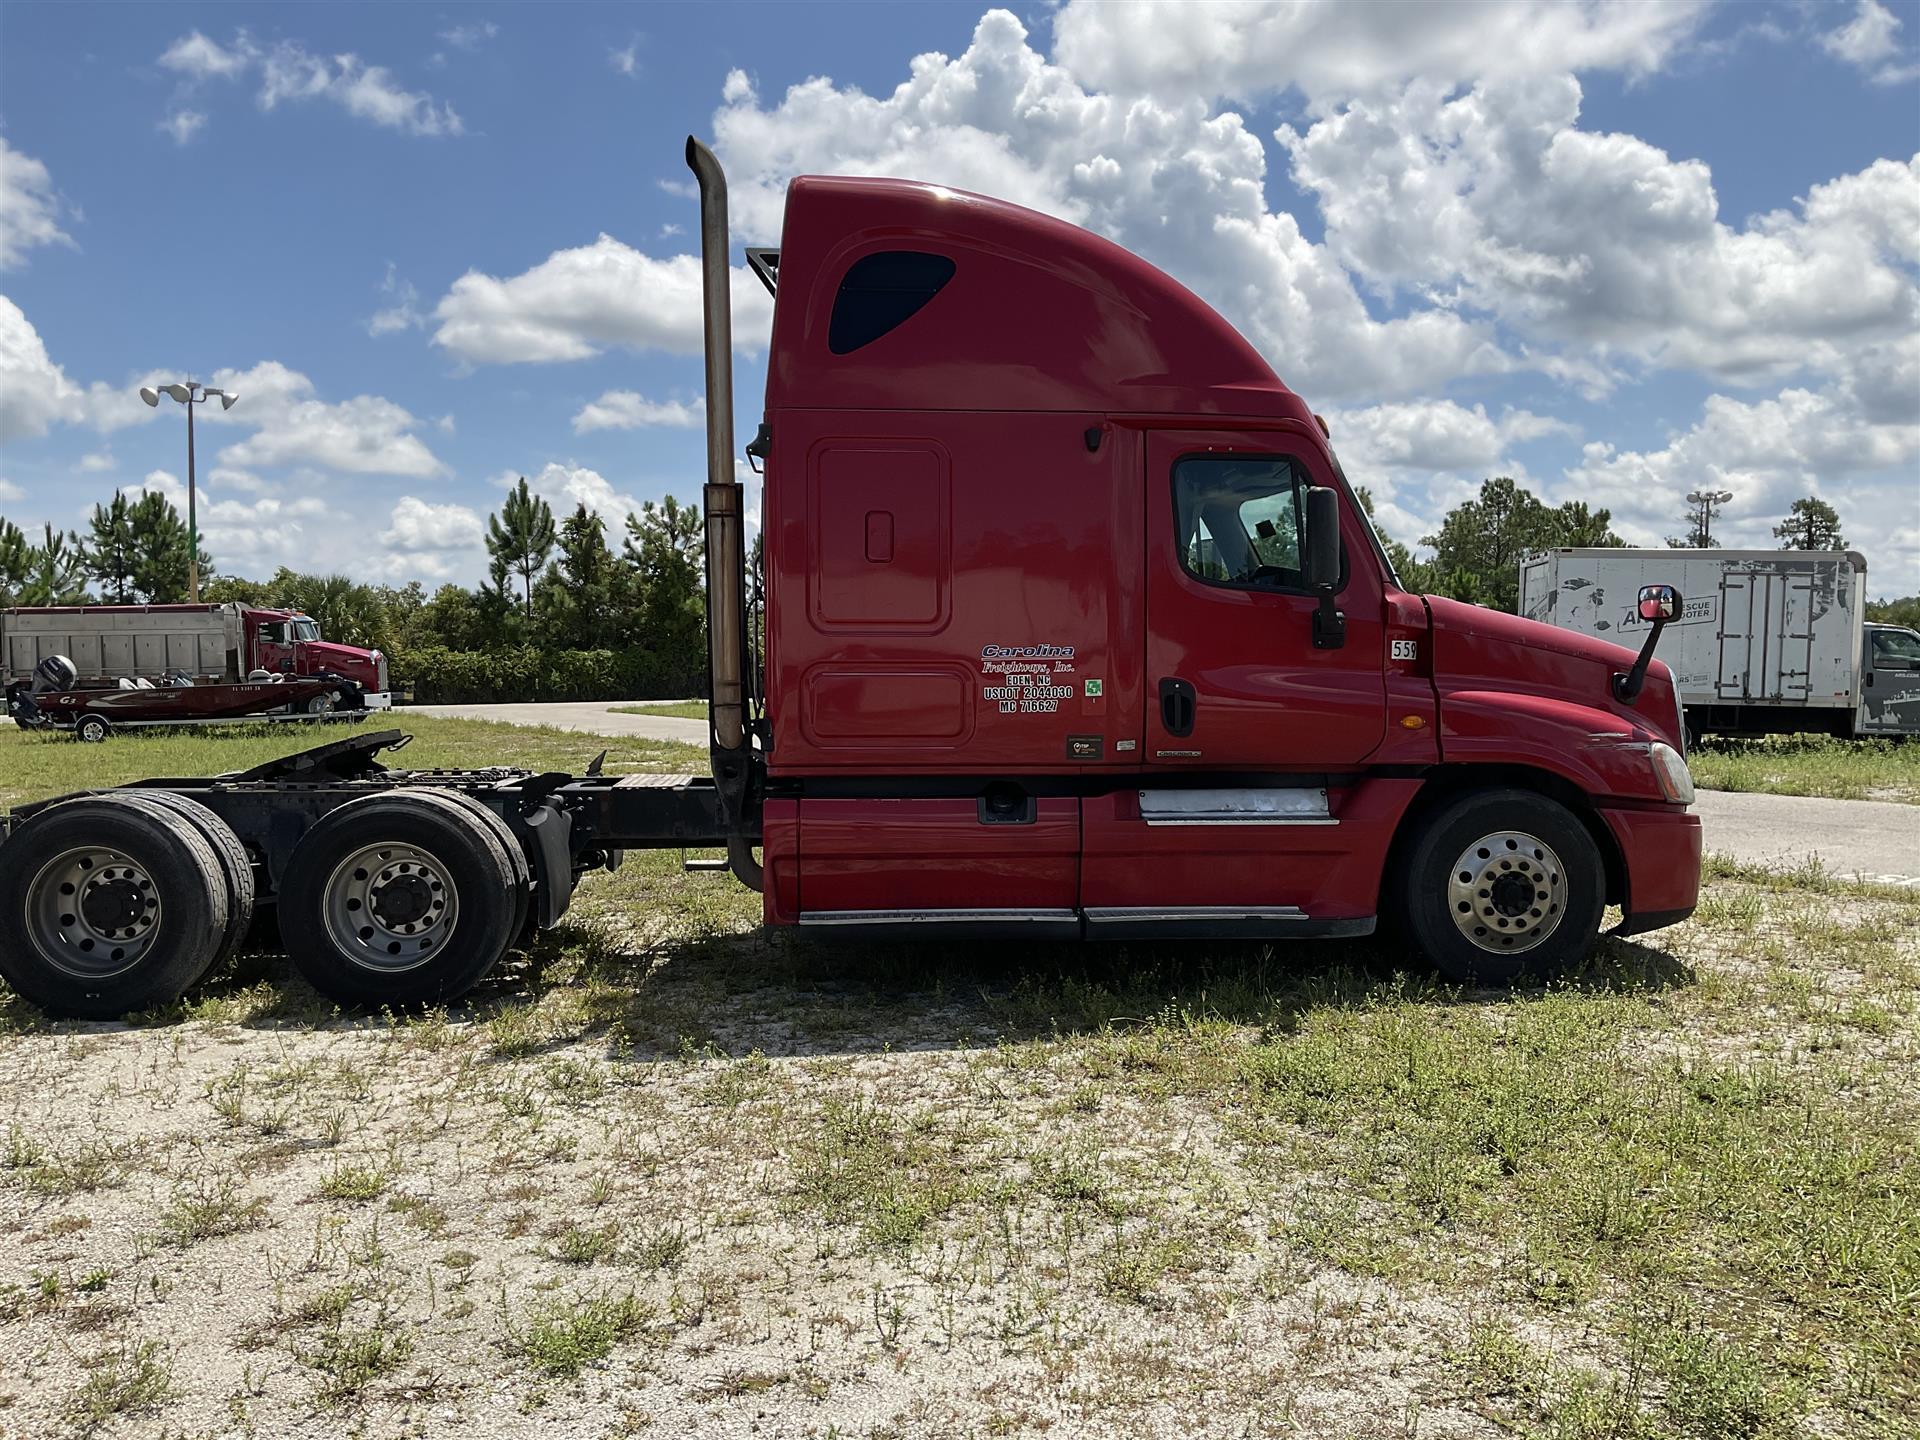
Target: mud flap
(552, 831)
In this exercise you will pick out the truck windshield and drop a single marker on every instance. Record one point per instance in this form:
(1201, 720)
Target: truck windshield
(305, 629)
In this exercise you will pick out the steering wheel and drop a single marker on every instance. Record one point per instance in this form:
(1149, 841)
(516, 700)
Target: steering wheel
(1272, 574)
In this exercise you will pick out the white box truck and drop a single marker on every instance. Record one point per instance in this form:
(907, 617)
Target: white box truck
(1769, 642)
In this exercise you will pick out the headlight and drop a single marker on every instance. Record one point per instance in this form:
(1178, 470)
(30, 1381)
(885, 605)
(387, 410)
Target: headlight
(1670, 770)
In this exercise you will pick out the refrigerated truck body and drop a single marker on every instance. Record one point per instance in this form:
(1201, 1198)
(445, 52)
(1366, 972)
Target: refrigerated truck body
(1074, 630)
(1772, 641)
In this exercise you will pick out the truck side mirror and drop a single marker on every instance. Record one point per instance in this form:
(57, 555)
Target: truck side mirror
(1658, 605)
(1323, 538)
(1320, 565)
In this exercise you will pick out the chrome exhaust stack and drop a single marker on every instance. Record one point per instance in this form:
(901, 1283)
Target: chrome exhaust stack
(734, 762)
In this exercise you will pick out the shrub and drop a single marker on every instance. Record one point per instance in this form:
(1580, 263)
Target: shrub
(525, 673)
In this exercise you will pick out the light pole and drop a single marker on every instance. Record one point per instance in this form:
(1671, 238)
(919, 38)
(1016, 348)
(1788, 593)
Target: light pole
(190, 394)
(1706, 500)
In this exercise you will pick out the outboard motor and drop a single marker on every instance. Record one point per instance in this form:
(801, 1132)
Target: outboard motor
(56, 672)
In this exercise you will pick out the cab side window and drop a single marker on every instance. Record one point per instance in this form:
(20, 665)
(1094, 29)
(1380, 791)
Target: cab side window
(1895, 650)
(1237, 520)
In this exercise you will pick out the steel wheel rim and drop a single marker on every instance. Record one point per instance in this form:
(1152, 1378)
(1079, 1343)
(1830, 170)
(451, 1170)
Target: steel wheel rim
(390, 907)
(1507, 893)
(93, 913)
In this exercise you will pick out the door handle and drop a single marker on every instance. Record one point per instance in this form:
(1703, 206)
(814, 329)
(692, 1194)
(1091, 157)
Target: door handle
(1177, 702)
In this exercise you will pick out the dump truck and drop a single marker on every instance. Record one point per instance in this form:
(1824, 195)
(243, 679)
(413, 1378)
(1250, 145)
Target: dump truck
(1073, 630)
(206, 644)
(1773, 642)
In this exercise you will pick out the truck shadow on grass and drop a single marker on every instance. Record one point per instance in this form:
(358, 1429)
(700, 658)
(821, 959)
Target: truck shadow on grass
(739, 993)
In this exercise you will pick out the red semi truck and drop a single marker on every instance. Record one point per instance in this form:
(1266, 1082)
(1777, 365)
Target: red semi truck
(1073, 629)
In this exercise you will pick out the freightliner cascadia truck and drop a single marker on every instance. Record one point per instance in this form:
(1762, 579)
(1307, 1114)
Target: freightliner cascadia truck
(1073, 629)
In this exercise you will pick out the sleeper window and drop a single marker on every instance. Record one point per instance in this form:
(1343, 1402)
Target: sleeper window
(881, 292)
(1238, 520)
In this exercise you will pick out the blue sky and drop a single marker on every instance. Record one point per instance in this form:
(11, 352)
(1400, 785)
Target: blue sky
(1619, 251)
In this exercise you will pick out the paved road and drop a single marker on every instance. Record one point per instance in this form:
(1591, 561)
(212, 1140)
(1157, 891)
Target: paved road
(1870, 839)
(1874, 839)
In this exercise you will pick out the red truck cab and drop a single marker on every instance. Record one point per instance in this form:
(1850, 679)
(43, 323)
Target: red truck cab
(288, 642)
(1044, 655)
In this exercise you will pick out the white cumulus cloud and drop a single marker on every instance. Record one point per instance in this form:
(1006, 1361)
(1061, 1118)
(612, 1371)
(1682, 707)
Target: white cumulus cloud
(1603, 243)
(289, 73)
(182, 125)
(578, 302)
(30, 208)
(1172, 180)
(417, 524)
(1250, 47)
(630, 410)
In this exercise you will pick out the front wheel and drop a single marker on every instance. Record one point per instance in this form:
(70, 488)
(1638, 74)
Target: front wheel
(1500, 884)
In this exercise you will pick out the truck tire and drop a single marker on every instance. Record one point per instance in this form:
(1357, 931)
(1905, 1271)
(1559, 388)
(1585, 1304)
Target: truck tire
(399, 900)
(1499, 884)
(91, 729)
(236, 866)
(107, 906)
(516, 856)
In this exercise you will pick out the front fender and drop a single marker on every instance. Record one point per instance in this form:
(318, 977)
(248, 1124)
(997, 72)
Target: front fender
(1597, 751)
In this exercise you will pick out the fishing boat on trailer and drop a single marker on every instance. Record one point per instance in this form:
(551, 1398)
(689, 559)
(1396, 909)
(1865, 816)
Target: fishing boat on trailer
(93, 714)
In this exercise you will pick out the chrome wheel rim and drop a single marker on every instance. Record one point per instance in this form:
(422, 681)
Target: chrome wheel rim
(390, 907)
(1507, 892)
(93, 912)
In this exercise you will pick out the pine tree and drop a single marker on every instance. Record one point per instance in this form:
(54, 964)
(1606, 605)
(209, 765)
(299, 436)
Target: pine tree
(1811, 524)
(159, 549)
(57, 573)
(1478, 549)
(110, 551)
(578, 600)
(521, 537)
(666, 548)
(16, 562)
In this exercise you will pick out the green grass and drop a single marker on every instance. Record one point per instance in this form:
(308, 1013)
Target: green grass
(679, 709)
(35, 765)
(1810, 765)
(1675, 1192)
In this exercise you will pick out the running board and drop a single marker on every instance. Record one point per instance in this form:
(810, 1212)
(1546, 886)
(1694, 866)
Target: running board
(1217, 922)
(929, 924)
(1099, 923)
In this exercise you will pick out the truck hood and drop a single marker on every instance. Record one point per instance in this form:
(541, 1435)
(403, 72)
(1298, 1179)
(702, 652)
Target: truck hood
(347, 660)
(1480, 650)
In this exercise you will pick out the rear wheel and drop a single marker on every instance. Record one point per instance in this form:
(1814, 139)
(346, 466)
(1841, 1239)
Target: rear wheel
(399, 900)
(108, 905)
(516, 856)
(92, 729)
(236, 866)
(1501, 884)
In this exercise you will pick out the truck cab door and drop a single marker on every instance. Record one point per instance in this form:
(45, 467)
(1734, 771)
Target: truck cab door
(1890, 683)
(273, 646)
(1246, 819)
(1234, 675)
